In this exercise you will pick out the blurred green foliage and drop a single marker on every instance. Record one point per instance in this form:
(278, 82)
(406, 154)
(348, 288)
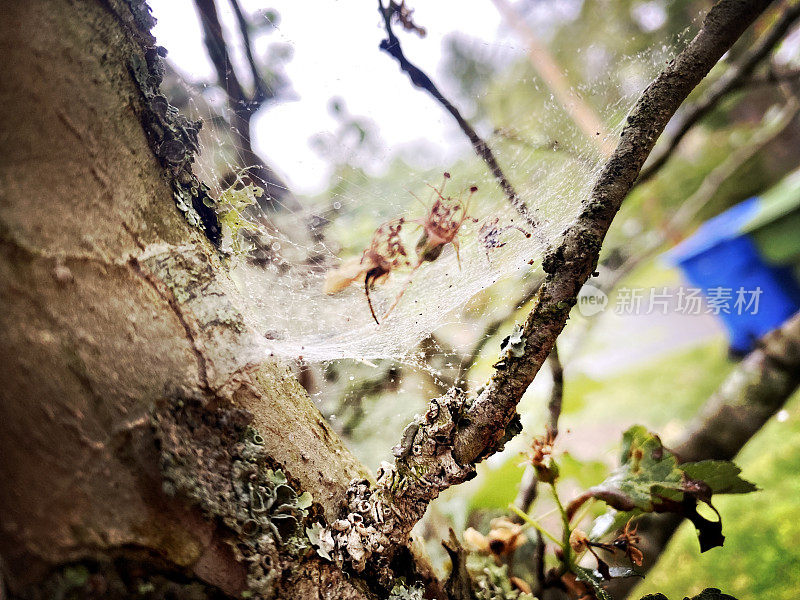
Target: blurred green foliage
(761, 556)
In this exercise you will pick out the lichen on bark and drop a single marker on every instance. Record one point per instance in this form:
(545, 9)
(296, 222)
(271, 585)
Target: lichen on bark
(210, 456)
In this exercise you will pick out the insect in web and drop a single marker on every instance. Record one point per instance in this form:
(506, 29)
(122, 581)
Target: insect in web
(386, 252)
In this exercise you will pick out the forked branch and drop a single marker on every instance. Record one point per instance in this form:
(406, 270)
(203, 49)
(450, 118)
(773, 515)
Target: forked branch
(439, 449)
(737, 76)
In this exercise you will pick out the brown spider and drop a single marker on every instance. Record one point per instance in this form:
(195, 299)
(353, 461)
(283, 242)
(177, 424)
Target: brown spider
(439, 228)
(386, 252)
(627, 542)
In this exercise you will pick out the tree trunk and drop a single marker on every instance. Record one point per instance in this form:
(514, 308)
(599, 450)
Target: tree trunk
(132, 431)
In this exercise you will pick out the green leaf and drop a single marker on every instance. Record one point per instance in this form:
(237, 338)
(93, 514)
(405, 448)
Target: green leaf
(647, 472)
(588, 576)
(721, 476)
(649, 479)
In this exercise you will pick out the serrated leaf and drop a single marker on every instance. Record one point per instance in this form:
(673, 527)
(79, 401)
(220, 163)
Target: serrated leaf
(722, 476)
(648, 472)
(649, 479)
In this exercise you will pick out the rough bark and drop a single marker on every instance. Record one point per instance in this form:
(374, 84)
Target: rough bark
(117, 323)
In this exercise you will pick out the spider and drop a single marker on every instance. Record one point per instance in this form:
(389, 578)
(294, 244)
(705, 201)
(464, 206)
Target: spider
(386, 251)
(440, 227)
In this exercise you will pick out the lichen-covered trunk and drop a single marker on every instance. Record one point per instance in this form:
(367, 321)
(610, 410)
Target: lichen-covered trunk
(138, 450)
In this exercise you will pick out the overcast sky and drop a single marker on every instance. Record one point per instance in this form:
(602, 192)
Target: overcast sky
(335, 46)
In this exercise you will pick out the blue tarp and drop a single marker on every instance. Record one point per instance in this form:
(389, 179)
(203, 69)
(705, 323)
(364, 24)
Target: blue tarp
(720, 259)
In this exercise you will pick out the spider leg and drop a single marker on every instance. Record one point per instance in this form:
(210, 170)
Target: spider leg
(401, 292)
(367, 281)
(458, 258)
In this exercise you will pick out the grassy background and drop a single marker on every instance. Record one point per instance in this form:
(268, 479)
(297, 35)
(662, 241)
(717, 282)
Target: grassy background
(761, 556)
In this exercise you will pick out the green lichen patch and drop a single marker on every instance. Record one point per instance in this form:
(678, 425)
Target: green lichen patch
(232, 208)
(215, 460)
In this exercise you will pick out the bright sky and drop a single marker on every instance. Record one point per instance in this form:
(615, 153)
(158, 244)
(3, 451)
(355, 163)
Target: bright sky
(336, 54)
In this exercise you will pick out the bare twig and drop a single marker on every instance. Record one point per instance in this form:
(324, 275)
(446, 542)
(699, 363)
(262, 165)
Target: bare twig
(261, 93)
(556, 394)
(491, 328)
(732, 79)
(242, 106)
(391, 45)
(690, 208)
(529, 482)
(772, 76)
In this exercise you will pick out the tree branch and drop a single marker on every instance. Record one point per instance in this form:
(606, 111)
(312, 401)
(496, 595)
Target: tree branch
(772, 76)
(242, 106)
(218, 53)
(746, 400)
(569, 265)
(260, 94)
(391, 45)
(439, 449)
(731, 80)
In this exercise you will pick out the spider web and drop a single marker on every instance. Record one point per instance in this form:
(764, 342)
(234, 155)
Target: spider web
(551, 163)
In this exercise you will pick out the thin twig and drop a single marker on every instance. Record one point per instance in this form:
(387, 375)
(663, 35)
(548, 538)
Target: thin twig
(261, 93)
(556, 394)
(528, 484)
(772, 76)
(218, 52)
(242, 107)
(491, 328)
(391, 45)
(692, 206)
(732, 79)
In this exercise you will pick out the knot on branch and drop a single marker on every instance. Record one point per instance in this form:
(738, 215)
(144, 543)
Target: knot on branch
(378, 520)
